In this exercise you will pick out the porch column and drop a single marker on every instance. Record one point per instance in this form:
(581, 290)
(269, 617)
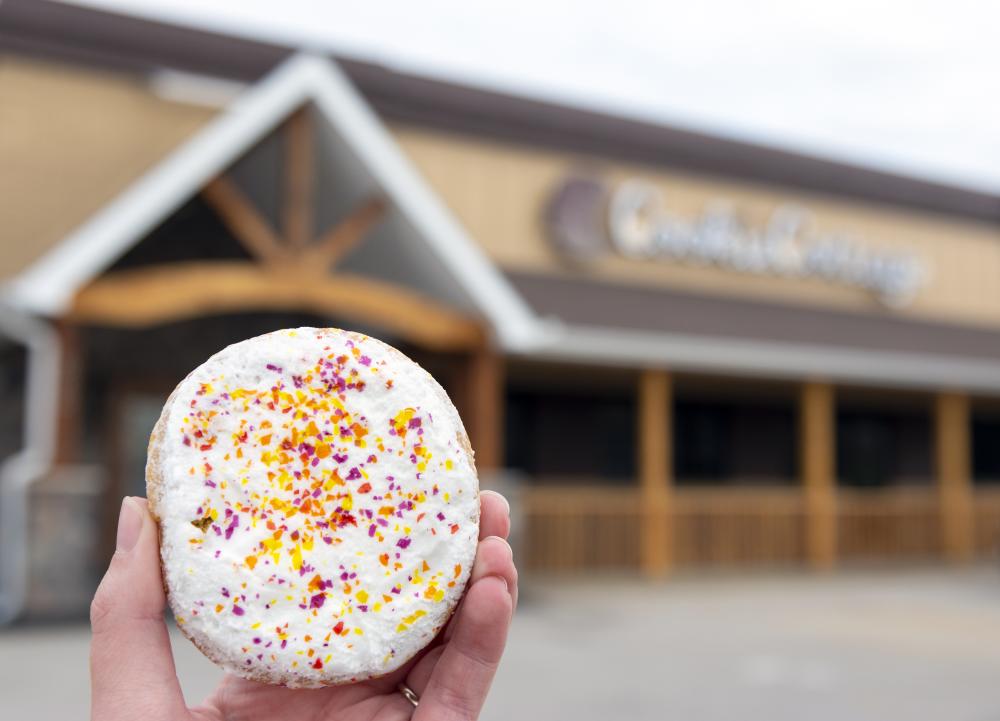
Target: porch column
(954, 451)
(484, 407)
(70, 389)
(655, 470)
(818, 468)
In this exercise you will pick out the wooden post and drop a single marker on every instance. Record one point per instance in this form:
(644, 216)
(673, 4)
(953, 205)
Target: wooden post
(954, 451)
(818, 468)
(483, 401)
(299, 193)
(655, 470)
(69, 418)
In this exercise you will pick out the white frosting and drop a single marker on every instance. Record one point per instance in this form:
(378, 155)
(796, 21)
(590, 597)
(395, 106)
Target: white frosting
(319, 512)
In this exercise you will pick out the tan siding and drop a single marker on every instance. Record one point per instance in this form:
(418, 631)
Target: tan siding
(70, 141)
(498, 191)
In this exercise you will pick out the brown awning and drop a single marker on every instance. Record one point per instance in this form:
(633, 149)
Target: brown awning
(592, 303)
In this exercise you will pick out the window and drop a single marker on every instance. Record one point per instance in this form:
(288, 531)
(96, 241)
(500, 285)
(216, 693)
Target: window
(878, 447)
(570, 436)
(734, 442)
(986, 447)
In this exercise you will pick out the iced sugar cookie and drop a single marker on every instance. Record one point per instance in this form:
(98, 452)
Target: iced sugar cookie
(318, 507)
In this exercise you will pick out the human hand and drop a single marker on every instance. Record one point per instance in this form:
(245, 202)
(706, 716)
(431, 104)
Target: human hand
(132, 668)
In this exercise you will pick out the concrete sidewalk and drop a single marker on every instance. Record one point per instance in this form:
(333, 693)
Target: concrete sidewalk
(877, 646)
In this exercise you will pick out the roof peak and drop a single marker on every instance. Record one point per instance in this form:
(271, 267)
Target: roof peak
(48, 286)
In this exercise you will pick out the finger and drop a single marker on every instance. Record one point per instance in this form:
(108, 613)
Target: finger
(461, 678)
(494, 558)
(131, 666)
(495, 515)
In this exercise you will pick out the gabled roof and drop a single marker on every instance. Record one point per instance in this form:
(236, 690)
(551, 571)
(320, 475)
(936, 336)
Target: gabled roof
(48, 286)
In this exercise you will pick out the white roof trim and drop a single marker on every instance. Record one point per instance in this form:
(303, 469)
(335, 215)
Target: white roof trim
(685, 352)
(47, 287)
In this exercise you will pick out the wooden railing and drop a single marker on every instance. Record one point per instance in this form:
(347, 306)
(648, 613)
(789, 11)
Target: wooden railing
(986, 521)
(580, 528)
(731, 527)
(901, 523)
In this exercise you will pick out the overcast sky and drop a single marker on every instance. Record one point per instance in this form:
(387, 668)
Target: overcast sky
(905, 85)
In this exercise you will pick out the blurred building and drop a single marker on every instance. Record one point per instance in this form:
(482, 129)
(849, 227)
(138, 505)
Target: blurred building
(689, 351)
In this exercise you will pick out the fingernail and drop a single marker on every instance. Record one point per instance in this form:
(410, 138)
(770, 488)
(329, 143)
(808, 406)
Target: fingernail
(129, 525)
(510, 551)
(500, 496)
(506, 587)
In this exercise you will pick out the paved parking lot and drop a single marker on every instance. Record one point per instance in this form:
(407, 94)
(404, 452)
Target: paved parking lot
(879, 645)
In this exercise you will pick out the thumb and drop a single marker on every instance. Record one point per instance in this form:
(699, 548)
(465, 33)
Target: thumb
(131, 666)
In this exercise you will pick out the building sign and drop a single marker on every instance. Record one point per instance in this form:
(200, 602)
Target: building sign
(635, 221)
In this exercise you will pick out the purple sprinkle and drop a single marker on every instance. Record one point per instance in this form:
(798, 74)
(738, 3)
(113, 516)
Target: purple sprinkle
(340, 457)
(272, 367)
(371, 530)
(237, 610)
(354, 474)
(317, 601)
(403, 542)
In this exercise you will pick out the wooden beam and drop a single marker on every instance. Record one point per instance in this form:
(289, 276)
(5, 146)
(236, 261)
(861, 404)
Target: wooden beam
(483, 401)
(299, 179)
(345, 235)
(954, 461)
(69, 414)
(243, 221)
(818, 460)
(656, 470)
(150, 296)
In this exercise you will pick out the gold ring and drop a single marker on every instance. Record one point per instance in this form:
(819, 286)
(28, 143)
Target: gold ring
(409, 694)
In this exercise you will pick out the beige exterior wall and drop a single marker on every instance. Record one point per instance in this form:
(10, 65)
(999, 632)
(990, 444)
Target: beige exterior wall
(499, 191)
(70, 141)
